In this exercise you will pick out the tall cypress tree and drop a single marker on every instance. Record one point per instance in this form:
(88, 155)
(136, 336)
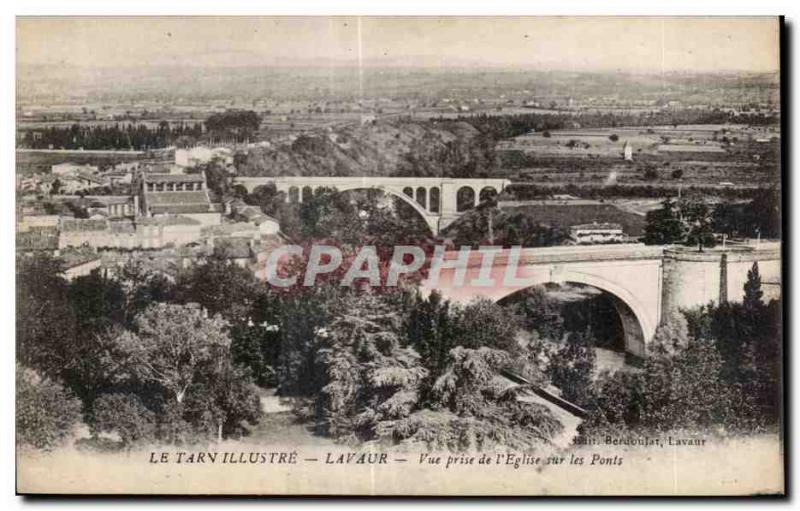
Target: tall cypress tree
(753, 295)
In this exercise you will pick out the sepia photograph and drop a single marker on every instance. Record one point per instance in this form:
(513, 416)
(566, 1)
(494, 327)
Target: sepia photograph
(399, 255)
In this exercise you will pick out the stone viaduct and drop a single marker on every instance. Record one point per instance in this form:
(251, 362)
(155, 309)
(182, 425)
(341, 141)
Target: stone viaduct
(644, 282)
(436, 199)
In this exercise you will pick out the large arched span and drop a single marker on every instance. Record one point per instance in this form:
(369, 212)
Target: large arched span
(630, 310)
(430, 221)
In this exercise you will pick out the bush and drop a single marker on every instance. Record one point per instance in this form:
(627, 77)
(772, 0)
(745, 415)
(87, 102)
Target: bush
(680, 390)
(650, 174)
(475, 409)
(46, 412)
(571, 368)
(613, 137)
(677, 174)
(124, 414)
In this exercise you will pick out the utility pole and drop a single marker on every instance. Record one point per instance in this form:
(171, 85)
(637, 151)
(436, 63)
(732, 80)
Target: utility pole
(491, 227)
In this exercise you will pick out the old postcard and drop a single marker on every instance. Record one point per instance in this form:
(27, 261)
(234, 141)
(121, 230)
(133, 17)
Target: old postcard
(399, 256)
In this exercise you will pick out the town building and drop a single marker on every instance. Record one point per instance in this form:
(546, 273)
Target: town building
(596, 233)
(79, 263)
(140, 234)
(241, 211)
(177, 194)
(71, 169)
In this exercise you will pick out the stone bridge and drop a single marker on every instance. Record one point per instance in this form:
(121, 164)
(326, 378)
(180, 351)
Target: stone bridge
(438, 200)
(644, 282)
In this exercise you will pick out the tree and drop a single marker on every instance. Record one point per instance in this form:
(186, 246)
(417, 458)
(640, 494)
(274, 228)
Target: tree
(370, 378)
(222, 288)
(650, 174)
(671, 336)
(124, 414)
(303, 318)
(238, 125)
(613, 137)
(258, 347)
(541, 314)
(221, 399)
(46, 413)
(472, 407)
(430, 330)
(697, 216)
(171, 343)
(663, 226)
(753, 295)
(142, 286)
(486, 323)
(45, 321)
(571, 368)
(677, 174)
(98, 303)
(686, 390)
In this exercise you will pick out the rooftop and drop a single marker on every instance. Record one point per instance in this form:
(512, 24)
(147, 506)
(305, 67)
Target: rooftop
(83, 225)
(37, 240)
(232, 248)
(177, 198)
(75, 258)
(603, 226)
(173, 178)
(168, 220)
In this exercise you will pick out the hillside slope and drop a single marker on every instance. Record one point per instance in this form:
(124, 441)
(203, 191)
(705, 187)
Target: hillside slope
(382, 148)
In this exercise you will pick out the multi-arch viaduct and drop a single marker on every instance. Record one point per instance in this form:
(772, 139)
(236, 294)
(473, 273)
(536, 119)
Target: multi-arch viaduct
(435, 199)
(644, 282)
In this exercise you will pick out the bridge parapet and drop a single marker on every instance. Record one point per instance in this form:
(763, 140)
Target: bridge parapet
(436, 199)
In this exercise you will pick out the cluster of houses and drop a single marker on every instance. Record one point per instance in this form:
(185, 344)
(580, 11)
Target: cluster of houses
(166, 215)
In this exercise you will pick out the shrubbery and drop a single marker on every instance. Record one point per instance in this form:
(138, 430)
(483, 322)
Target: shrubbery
(46, 412)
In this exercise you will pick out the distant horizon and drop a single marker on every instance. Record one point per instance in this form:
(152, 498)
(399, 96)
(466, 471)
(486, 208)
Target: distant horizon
(477, 67)
(628, 45)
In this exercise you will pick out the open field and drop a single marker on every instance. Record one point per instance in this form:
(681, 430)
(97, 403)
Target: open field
(728, 155)
(564, 216)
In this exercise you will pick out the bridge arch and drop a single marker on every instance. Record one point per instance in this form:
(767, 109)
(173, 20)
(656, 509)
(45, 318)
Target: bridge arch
(434, 196)
(465, 199)
(422, 197)
(431, 221)
(631, 311)
(487, 193)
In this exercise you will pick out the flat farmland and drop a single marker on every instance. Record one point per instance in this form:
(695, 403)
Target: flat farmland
(663, 155)
(564, 216)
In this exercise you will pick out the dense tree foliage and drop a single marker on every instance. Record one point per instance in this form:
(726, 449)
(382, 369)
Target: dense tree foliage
(233, 125)
(759, 216)
(488, 225)
(509, 126)
(130, 136)
(664, 226)
(719, 367)
(46, 413)
(471, 408)
(370, 378)
(124, 414)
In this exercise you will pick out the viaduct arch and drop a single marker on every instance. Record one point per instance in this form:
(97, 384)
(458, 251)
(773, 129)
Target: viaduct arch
(436, 199)
(645, 283)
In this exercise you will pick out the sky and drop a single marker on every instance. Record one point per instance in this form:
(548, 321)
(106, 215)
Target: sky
(628, 44)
